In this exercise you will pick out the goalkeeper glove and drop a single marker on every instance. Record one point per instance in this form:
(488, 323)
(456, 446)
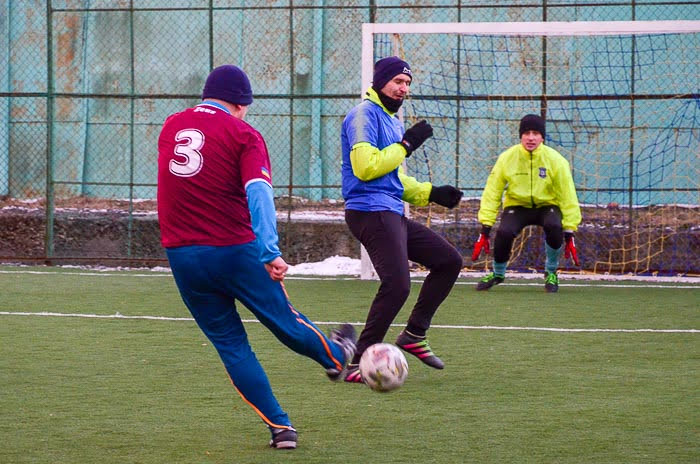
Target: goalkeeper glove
(570, 248)
(483, 243)
(416, 135)
(445, 195)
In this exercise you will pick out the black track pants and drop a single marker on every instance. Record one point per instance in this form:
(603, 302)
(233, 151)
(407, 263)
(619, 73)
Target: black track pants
(391, 241)
(515, 218)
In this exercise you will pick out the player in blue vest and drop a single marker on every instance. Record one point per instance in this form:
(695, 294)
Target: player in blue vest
(374, 145)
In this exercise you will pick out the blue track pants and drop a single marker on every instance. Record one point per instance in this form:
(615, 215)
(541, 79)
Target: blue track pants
(210, 280)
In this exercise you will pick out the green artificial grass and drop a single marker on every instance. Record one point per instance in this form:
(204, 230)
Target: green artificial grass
(521, 385)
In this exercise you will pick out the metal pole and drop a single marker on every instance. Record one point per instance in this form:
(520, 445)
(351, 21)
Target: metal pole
(631, 125)
(49, 236)
(130, 221)
(6, 104)
(292, 89)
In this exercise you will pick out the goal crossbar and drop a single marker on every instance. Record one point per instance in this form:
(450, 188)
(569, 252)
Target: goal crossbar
(554, 28)
(566, 28)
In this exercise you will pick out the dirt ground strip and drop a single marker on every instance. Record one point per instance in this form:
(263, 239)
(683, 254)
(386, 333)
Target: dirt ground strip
(615, 239)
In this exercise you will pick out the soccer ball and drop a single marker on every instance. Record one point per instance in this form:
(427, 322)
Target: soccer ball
(383, 367)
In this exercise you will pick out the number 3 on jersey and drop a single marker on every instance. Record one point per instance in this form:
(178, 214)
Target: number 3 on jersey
(190, 142)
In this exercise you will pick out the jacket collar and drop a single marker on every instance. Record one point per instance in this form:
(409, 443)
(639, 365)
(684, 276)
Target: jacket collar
(372, 96)
(536, 152)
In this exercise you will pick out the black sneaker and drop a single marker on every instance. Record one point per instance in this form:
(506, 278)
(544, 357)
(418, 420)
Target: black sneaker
(419, 347)
(352, 374)
(283, 438)
(345, 337)
(551, 282)
(489, 281)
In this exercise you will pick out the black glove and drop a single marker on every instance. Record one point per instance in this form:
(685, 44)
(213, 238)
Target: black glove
(445, 195)
(416, 135)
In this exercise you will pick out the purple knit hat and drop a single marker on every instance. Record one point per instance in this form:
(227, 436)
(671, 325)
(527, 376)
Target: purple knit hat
(531, 122)
(228, 83)
(388, 68)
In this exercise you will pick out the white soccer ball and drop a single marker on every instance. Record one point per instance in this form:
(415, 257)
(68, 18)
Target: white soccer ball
(383, 367)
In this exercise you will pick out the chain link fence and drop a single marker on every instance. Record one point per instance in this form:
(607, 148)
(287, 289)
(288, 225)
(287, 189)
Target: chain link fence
(87, 84)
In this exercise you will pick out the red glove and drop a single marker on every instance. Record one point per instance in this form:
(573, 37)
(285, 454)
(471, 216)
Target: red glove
(570, 249)
(483, 243)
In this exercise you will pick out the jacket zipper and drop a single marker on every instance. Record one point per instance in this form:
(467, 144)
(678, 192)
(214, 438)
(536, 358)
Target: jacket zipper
(532, 198)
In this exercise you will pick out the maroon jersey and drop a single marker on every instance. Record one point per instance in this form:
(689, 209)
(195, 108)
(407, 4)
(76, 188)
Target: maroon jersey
(206, 157)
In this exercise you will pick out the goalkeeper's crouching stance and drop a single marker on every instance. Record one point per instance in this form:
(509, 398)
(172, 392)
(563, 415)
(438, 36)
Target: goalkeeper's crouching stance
(539, 190)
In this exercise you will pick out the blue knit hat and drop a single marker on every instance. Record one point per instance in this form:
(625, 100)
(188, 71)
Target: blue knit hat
(388, 68)
(228, 83)
(531, 122)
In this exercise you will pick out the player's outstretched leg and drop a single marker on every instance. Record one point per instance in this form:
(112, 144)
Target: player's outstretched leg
(419, 347)
(345, 337)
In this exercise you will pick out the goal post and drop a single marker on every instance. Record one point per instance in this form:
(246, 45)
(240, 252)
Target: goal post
(622, 104)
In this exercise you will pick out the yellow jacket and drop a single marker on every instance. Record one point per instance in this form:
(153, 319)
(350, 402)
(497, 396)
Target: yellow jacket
(532, 180)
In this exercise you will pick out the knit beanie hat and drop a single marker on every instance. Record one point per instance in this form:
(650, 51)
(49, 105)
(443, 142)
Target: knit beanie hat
(388, 68)
(532, 122)
(228, 83)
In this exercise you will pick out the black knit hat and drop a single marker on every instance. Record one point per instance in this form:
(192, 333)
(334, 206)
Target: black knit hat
(388, 68)
(532, 122)
(228, 83)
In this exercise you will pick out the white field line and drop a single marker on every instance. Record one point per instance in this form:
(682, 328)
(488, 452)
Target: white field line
(437, 326)
(597, 285)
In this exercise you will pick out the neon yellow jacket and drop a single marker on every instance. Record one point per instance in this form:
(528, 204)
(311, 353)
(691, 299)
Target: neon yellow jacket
(532, 180)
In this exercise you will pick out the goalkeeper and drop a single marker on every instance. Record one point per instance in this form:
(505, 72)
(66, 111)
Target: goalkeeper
(374, 145)
(539, 190)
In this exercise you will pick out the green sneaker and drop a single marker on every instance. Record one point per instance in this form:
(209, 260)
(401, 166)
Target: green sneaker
(489, 281)
(551, 282)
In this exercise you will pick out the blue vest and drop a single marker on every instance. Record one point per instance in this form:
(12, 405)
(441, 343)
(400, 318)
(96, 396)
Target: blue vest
(369, 122)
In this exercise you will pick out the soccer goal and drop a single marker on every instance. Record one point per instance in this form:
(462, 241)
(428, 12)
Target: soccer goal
(622, 104)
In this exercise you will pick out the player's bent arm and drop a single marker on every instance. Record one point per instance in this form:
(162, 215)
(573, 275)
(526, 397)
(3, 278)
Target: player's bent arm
(262, 214)
(491, 197)
(571, 215)
(414, 192)
(369, 162)
(568, 200)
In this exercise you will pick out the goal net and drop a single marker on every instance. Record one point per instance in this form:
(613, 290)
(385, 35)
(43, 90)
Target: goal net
(622, 104)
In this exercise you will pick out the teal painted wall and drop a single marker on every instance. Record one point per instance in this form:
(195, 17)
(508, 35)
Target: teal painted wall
(116, 75)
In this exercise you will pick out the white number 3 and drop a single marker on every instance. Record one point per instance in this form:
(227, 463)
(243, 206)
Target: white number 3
(192, 141)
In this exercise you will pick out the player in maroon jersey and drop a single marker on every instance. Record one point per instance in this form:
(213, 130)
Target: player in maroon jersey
(218, 226)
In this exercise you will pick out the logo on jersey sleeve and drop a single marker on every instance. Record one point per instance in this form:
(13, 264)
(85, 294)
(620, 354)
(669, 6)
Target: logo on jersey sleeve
(266, 174)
